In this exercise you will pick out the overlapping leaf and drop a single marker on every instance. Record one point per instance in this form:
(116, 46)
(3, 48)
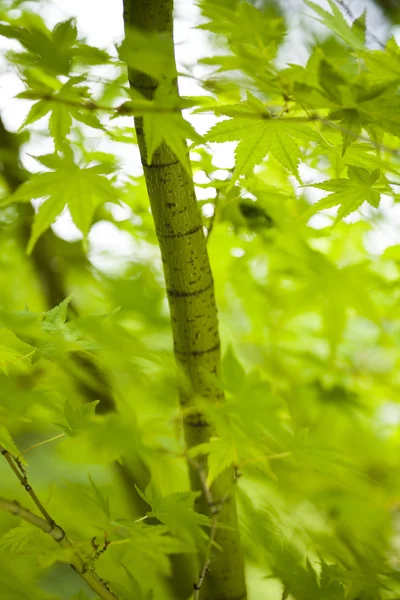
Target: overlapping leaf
(177, 513)
(81, 189)
(349, 193)
(257, 138)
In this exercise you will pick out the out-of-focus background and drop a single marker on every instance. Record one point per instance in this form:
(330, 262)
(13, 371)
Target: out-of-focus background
(310, 333)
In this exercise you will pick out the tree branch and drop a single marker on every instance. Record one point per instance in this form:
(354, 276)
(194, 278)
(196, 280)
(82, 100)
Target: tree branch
(48, 525)
(131, 109)
(215, 509)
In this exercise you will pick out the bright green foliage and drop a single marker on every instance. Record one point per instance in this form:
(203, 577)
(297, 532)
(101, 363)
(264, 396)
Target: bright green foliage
(169, 128)
(308, 307)
(148, 53)
(259, 138)
(354, 36)
(82, 189)
(176, 512)
(350, 193)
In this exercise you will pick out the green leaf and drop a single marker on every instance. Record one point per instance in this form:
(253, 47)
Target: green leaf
(18, 538)
(134, 587)
(383, 65)
(47, 213)
(57, 316)
(260, 137)
(36, 112)
(170, 128)
(233, 373)
(149, 53)
(65, 33)
(14, 354)
(77, 419)
(350, 125)
(350, 193)
(82, 189)
(331, 81)
(60, 124)
(90, 55)
(359, 27)
(50, 556)
(335, 22)
(331, 588)
(81, 595)
(7, 442)
(102, 501)
(221, 455)
(177, 513)
(51, 161)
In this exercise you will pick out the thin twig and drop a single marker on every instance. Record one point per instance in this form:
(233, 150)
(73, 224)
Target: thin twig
(16, 466)
(126, 109)
(48, 525)
(207, 558)
(203, 480)
(215, 509)
(129, 108)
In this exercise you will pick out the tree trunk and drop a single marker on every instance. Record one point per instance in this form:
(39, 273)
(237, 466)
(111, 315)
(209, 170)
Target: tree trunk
(190, 292)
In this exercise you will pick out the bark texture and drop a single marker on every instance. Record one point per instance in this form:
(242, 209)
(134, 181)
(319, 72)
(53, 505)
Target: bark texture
(190, 291)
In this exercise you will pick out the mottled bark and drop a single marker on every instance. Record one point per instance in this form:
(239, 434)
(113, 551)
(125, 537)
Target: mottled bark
(190, 292)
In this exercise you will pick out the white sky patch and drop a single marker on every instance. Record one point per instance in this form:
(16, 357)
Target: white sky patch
(208, 209)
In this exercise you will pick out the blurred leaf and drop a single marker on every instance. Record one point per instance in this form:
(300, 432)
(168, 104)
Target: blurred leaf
(349, 193)
(82, 189)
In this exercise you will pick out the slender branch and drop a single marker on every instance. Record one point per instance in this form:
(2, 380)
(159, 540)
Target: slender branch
(207, 558)
(15, 508)
(215, 509)
(48, 525)
(203, 481)
(130, 108)
(126, 109)
(16, 466)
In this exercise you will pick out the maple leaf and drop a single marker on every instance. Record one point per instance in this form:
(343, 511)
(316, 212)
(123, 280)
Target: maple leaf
(176, 512)
(349, 193)
(63, 103)
(82, 189)
(260, 136)
(383, 65)
(350, 125)
(257, 139)
(169, 127)
(334, 21)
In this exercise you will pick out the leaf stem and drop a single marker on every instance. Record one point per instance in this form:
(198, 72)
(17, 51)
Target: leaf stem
(56, 437)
